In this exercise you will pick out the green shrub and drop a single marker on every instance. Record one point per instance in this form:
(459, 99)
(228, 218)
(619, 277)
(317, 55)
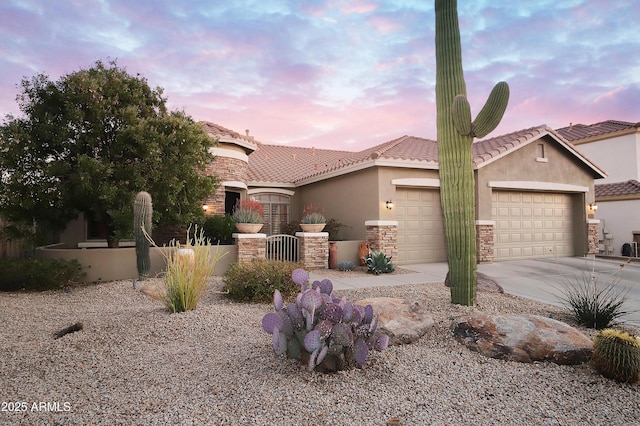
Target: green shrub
(378, 263)
(257, 281)
(33, 274)
(219, 229)
(592, 304)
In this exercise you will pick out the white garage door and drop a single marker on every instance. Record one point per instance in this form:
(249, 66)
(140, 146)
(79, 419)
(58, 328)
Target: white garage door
(532, 224)
(420, 226)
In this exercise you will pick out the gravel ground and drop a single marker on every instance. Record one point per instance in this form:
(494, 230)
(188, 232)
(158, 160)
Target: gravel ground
(133, 363)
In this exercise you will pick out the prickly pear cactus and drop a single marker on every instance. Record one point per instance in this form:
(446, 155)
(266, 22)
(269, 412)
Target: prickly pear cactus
(456, 131)
(616, 355)
(325, 332)
(142, 213)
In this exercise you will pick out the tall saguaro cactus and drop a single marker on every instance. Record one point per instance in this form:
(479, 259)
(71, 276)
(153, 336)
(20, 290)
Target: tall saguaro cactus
(142, 213)
(456, 131)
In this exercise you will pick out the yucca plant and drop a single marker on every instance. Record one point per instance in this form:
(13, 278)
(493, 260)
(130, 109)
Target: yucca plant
(594, 304)
(616, 355)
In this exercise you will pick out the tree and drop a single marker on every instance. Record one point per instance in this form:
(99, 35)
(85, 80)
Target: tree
(456, 131)
(91, 141)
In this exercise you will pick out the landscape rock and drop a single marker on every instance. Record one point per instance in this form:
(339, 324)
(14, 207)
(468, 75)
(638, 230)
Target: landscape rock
(484, 283)
(400, 319)
(523, 338)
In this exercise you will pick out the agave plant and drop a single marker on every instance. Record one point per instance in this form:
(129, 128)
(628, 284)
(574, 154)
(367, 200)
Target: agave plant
(325, 332)
(378, 263)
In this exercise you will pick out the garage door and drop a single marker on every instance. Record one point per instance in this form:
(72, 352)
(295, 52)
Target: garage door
(420, 226)
(532, 224)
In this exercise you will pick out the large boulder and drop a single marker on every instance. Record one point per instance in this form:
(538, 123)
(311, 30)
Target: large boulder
(523, 338)
(403, 321)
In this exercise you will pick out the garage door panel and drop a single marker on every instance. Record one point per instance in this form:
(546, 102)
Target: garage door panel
(530, 224)
(420, 226)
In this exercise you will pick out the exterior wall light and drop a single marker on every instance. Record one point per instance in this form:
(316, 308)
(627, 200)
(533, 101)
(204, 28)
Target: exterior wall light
(205, 207)
(593, 206)
(389, 204)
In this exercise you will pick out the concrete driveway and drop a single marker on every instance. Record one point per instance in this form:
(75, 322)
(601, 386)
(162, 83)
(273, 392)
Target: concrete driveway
(543, 279)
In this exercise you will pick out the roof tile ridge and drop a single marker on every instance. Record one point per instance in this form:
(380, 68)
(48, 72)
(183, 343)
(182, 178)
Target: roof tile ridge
(387, 146)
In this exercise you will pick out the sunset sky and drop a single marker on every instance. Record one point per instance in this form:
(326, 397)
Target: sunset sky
(337, 74)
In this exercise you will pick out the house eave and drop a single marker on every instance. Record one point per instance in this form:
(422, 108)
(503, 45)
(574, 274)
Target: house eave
(378, 162)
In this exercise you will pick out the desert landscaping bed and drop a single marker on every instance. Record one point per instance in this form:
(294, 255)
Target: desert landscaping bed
(135, 363)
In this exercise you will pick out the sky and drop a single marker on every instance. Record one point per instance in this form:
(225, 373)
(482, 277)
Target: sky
(337, 74)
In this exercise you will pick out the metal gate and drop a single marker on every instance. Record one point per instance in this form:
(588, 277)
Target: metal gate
(282, 247)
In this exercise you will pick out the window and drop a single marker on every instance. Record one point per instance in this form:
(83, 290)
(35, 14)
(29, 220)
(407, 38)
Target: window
(276, 212)
(231, 198)
(541, 158)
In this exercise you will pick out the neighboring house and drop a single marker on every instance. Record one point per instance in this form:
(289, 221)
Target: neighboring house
(615, 146)
(533, 191)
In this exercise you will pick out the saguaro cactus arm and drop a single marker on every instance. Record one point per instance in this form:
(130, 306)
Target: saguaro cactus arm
(461, 113)
(491, 113)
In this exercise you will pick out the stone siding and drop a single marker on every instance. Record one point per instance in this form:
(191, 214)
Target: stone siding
(314, 249)
(251, 247)
(593, 236)
(383, 238)
(227, 169)
(485, 243)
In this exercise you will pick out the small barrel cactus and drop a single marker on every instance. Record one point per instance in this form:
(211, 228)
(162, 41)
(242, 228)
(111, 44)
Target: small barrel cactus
(325, 332)
(142, 213)
(616, 355)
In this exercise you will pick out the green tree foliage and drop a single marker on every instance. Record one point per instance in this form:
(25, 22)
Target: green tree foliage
(89, 142)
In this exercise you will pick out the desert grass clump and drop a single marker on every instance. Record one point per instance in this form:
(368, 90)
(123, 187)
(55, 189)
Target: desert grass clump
(188, 270)
(594, 304)
(616, 355)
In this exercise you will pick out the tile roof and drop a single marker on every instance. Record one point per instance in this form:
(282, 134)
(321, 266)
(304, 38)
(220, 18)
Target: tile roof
(618, 189)
(576, 132)
(215, 130)
(286, 164)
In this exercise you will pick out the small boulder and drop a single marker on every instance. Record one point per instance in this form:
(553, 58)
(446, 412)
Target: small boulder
(523, 338)
(152, 291)
(484, 283)
(403, 321)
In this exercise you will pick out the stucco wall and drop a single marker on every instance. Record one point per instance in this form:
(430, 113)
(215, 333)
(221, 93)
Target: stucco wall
(619, 157)
(120, 264)
(349, 199)
(620, 219)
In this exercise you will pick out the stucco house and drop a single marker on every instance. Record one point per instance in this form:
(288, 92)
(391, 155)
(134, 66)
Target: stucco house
(615, 146)
(534, 192)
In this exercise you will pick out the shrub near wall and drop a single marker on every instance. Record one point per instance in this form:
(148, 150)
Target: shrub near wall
(256, 281)
(32, 274)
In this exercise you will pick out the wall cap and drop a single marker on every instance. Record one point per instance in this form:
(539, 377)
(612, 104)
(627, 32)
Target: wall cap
(380, 223)
(312, 234)
(240, 236)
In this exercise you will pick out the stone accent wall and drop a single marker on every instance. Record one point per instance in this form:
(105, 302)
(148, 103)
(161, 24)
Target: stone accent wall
(485, 243)
(227, 169)
(314, 249)
(593, 231)
(251, 247)
(383, 237)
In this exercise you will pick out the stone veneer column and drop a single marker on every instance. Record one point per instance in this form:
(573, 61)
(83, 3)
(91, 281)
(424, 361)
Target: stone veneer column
(382, 235)
(593, 236)
(230, 166)
(251, 247)
(314, 249)
(485, 240)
